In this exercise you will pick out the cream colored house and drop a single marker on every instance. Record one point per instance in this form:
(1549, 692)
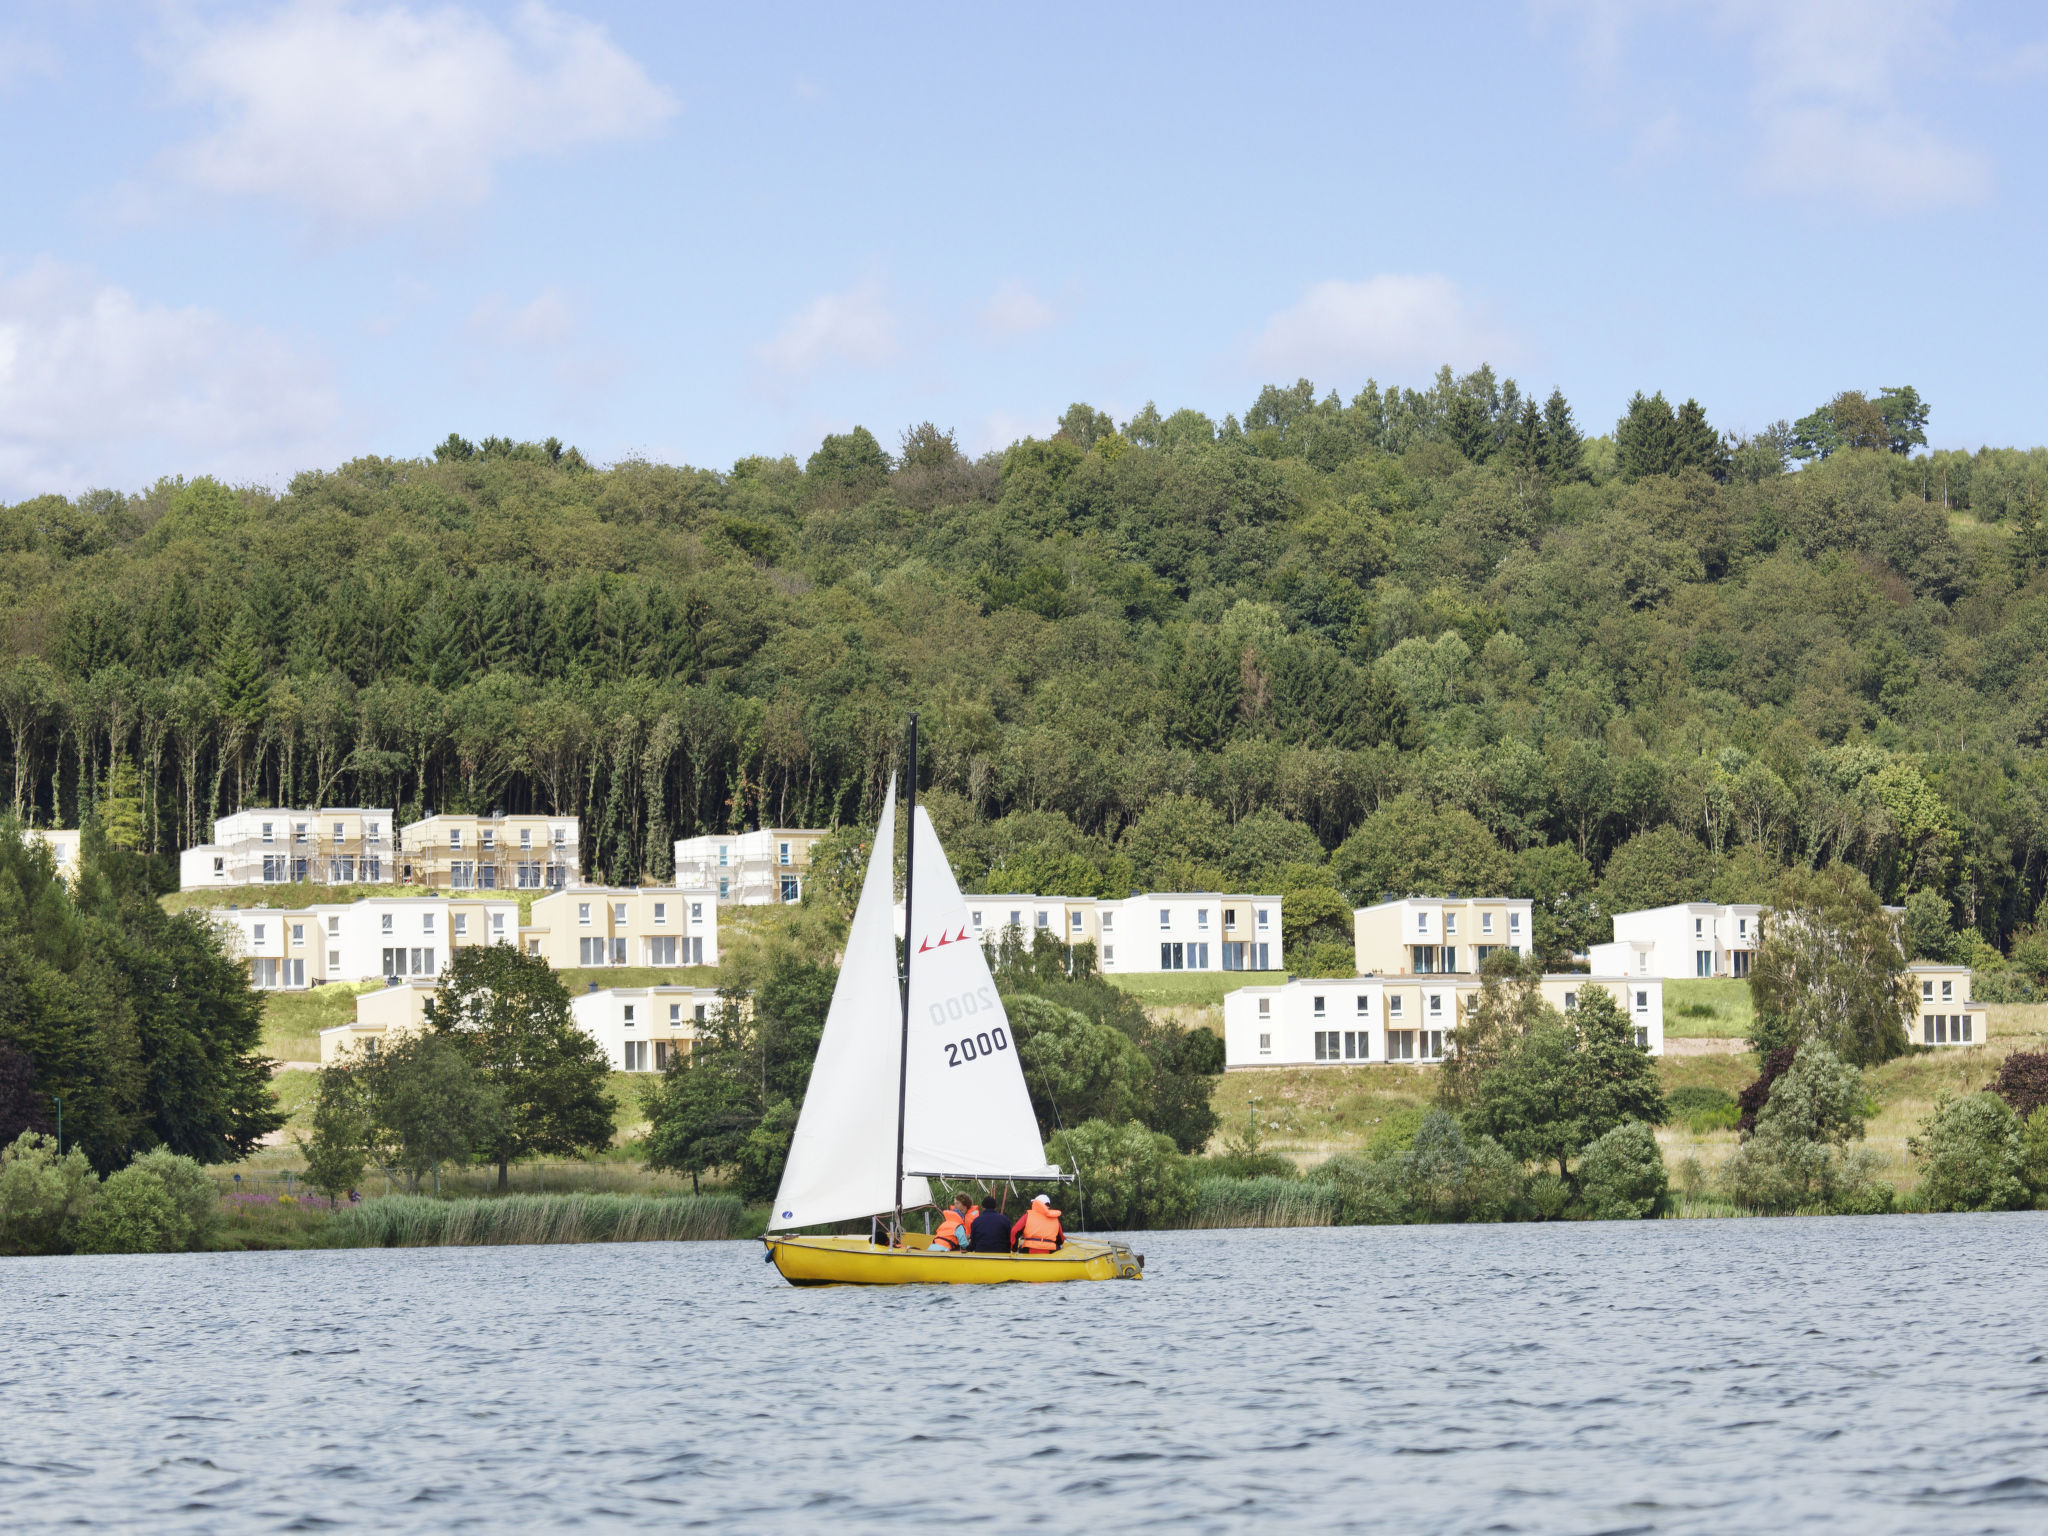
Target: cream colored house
(1943, 1013)
(1396, 1020)
(1157, 931)
(624, 925)
(492, 853)
(749, 869)
(288, 949)
(62, 843)
(643, 1029)
(332, 845)
(1439, 935)
(388, 1014)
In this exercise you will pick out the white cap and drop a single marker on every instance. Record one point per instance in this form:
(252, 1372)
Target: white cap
(1040, 1200)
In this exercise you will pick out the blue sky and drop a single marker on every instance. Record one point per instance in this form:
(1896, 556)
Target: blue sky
(245, 240)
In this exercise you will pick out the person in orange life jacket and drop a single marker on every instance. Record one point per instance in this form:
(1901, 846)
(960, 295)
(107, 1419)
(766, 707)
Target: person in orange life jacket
(991, 1230)
(953, 1224)
(1038, 1230)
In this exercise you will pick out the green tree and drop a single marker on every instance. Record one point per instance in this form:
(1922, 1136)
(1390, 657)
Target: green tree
(192, 1194)
(1509, 1005)
(121, 808)
(342, 1126)
(132, 1213)
(1645, 439)
(1798, 1156)
(1129, 1178)
(1565, 910)
(1929, 935)
(1076, 1069)
(1621, 1174)
(509, 1013)
(1972, 1155)
(1905, 417)
(1566, 1082)
(1410, 849)
(1656, 869)
(1695, 444)
(431, 1106)
(1565, 447)
(849, 461)
(42, 1195)
(700, 1112)
(1829, 968)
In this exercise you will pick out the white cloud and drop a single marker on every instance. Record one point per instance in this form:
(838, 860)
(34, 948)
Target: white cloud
(98, 387)
(365, 116)
(1016, 309)
(853, 327)
(1832, 109)
(542, 324)
(1393, 324)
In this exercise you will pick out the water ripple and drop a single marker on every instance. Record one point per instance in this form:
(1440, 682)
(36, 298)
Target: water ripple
(1870, 1376)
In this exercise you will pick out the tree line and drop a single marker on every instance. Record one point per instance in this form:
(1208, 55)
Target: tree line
(1147, 652)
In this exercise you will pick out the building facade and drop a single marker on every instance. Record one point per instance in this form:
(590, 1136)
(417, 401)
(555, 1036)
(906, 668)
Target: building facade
(1439, 935)
(593, 926)
(491, 853)
(1943, 1013)
(334, 845)
(1690, 940)
(1397, 1020)
(643, 1029)
(289, 949)
(749, 869)
(62, 843)
(1156, 932)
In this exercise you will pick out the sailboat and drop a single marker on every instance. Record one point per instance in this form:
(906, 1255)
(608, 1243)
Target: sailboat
(917, 1078)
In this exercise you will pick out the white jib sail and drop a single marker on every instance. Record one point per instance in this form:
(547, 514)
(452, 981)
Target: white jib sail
(969, 1112)
(842, 1160)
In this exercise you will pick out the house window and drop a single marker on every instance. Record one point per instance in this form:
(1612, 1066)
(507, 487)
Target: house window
(1514, 922)
(374, 833)
(1422, 922)
(590, 952)
(259, 933)
(721, 856)
(675, 1014)
(1393, 1007)
(385, 926)
(1016, 918)
(1450, 924)
(526, 837)
(1108, 921)
(696, 911)
(455, 837)
(1357, 1045)
(1265, 1007)
(976, 918)
(1041, 919)
(618, 911)
(1433, 1044)
(333, 960)
(1319, 1007)
(1077, 922)
(1642, 1037)
(298, 831)
(1948, 991)
(1165, 917)
(1642, 1002)
(490, 839)
(561, 836)
(629, 1015)
(618, 951)
(1486, 922)
(1265, 1045)
(1571, 1001)
(462, 925)
(661, 949)
(1108, 954)
(1703, 962)
(298, 934)
(220, 866)
(1436, 1005)
(1400, 1045)
(266, 832)
(497, 922)
(426, 922)
(1172, 957)
(1364, 1004)
(583, 914)
(698, 1013)
(1927, 991)
(661, 911)
(1201, 919)
(1742, 927)
(1699, 927)
(724, 888)
(789, 890)
(635, 1053)
(1230, 917)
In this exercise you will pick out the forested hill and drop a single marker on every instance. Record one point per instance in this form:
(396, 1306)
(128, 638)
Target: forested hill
(1437, 624)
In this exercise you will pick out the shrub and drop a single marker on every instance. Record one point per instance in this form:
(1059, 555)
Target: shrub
(41, 1194)
(1396, 1130)
(1798, 1156)
(1973, 1153)
(1262, 1202)
(1445, 1176)
(191, 1191)
(1243, 1165)
(1130, 1177)
(133, 1213)
(1701, 1110)
(1548, 1197)
(2022, 1081)
(1621, 1176)
(2034, 1155)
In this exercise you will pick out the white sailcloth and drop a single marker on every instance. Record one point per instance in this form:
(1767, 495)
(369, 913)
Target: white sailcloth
(842, 1160)
(968, 1111)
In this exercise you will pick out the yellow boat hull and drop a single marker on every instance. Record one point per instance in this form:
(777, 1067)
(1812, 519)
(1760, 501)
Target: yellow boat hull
(856, 1261)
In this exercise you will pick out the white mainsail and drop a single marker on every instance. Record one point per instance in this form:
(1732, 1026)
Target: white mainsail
(842, 1160)
(967, 1110)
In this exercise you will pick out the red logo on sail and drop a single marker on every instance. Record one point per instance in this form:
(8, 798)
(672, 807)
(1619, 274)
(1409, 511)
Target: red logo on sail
(943, 940)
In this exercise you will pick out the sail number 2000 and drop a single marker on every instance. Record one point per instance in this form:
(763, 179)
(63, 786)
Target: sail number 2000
(984, 1043)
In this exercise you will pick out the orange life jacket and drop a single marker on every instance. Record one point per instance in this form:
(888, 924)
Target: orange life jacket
(1041, 1229)
(952, 1229)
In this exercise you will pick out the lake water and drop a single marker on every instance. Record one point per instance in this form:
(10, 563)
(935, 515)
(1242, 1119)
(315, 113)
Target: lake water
(1885, 1374)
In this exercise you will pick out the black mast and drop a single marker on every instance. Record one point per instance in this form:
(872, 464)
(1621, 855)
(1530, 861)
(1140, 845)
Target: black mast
(909, 942)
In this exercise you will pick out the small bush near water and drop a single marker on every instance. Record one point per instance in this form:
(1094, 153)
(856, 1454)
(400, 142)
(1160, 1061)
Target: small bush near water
(1701, 1109)
(418, 1221)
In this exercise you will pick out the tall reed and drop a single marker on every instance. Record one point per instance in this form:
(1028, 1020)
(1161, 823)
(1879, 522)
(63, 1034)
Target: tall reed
(416, 1221)
(1262, 1202)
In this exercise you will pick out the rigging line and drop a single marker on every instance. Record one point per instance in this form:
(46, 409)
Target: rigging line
(909, 948)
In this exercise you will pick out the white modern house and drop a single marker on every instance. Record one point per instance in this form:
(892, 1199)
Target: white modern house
(752, 869)
(1439, 935)
(642, 1029)
(331, 845)
(1688, 940)
(1942, 1010)
(1155, 932)
(1395, 1020)
(287, 949)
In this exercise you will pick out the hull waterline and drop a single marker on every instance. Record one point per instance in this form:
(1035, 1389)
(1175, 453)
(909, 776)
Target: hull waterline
(857, 1261)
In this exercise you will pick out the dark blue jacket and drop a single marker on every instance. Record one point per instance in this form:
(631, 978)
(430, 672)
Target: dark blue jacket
(989, 1234)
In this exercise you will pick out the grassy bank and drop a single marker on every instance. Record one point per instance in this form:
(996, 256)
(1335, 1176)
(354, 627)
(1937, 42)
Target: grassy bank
(415, 1221)
(1714, 1009)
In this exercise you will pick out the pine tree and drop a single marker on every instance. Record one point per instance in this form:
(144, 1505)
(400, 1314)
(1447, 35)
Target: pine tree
(1469, 428)
(434, 649)
(1645, 440)
(1696, 445)
(1566, 448)
(2029, 540)
(239, 689)
(1528, 451)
